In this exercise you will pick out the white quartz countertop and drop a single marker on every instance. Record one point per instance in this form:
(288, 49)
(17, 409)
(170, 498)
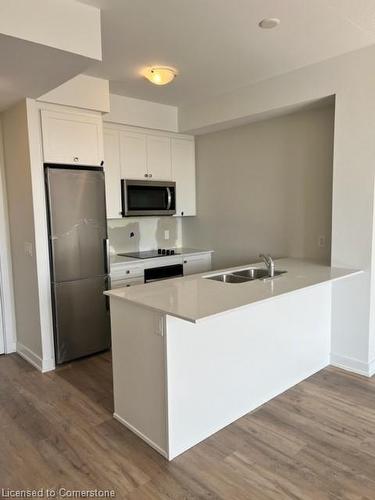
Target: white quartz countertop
(194, 298)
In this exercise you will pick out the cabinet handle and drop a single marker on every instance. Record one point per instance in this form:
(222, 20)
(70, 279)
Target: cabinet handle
(75, 158)
(182, 213)
(128, 272)
(185, 261)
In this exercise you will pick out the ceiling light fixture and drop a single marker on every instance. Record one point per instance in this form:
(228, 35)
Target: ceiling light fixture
(269, 22)
(160, 75)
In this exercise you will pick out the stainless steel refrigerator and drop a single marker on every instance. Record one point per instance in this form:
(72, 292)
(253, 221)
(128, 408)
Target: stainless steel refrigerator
(79, 260)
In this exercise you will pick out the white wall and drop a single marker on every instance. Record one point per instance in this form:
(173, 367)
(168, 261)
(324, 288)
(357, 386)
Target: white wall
(82, 91)
(148, 233)
(62, 24)
(265, 188)
(21, 222)
(352, 79)
(6, 276)
(140, 113)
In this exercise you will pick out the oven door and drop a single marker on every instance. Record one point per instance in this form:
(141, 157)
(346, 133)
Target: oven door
(148, 198)
(163, 273)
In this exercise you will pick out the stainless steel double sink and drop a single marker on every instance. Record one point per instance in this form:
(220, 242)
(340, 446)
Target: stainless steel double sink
(250, 274)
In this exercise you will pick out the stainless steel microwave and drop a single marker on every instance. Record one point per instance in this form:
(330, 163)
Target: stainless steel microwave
(148, 197)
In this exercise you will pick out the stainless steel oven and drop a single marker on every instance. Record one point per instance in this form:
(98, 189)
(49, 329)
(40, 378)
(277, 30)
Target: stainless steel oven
(148, 197)
(163, 272)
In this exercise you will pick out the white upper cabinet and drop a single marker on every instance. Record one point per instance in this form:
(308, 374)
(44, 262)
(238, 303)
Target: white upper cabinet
(145, 156)
(149, 156)
(133, 155)
(112, 170)
(183, 173)
(159, 158)
(72, 137)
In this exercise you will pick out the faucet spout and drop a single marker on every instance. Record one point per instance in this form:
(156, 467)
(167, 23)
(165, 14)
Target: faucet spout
(270, 264)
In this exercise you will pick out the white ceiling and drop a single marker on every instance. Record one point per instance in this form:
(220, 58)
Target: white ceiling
(31, 69)
(217, 45)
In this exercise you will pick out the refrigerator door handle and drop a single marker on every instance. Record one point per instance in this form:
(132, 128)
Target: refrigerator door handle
(106, 255)
(107, 282)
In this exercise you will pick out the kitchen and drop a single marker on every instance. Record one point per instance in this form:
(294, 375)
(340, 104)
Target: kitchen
(205, 235)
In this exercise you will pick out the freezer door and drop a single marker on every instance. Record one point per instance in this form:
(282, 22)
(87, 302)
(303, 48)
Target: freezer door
(81, 315)
(77, 223)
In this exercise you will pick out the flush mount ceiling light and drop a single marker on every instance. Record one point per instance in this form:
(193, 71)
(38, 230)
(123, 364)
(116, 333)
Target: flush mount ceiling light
(160, 75)
(269, 22)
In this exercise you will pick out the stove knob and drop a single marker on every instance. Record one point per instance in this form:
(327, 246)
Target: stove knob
(159, 251)
(168, 252)
(172, 252)
(163, 251)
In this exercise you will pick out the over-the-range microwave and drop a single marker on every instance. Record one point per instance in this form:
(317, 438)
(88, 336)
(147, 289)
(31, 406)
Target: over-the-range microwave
(148, 197)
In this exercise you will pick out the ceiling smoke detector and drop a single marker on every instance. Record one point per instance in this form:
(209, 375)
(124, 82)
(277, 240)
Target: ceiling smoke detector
(269, 22)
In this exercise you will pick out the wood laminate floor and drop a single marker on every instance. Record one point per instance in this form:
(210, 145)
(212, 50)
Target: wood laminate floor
(316, 441)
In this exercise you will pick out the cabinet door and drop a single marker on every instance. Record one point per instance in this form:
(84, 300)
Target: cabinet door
(133, 155)
(183, 172)
(72, 137)
(197, 264)
(126, 283)
(112, 170)
(159, 158)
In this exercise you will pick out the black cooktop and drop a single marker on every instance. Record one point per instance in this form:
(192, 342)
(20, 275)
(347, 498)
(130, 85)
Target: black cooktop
(150, 254)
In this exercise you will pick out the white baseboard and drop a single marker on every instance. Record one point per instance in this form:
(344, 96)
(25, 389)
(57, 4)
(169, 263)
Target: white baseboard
(353, 365)
(140, 435)
(30, 356)
(43, 365)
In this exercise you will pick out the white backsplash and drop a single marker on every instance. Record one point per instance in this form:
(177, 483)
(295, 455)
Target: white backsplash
(149, 233)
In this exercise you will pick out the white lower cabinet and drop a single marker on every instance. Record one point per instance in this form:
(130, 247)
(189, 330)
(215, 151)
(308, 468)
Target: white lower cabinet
(129, 274)
(194, 264)
(126, 282)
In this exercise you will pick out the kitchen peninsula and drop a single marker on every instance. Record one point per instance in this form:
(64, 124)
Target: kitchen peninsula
(193, 354)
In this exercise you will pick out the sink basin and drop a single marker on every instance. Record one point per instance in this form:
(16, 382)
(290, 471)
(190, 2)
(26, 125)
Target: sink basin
(228, 278)
(250, 274)
(257, 273)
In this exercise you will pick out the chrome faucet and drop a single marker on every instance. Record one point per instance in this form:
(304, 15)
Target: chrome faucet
(270, 264)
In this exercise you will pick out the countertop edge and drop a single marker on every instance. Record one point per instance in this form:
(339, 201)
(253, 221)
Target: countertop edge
(113, 295)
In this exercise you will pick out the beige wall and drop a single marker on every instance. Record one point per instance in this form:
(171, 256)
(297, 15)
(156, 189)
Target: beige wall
(351, 78)
(21, 222)
(265, 187)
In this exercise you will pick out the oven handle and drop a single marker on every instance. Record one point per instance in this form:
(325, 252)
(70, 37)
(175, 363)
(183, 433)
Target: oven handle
(169, 198)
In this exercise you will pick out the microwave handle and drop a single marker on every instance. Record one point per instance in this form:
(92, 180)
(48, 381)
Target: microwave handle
(169, 194)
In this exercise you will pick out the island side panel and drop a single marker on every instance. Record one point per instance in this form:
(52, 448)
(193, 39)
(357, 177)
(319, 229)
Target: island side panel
(224, 367)
(138, 354)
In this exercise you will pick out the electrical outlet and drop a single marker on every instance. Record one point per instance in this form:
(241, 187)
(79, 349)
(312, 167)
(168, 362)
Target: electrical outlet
(322, 241)
(166, 234)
